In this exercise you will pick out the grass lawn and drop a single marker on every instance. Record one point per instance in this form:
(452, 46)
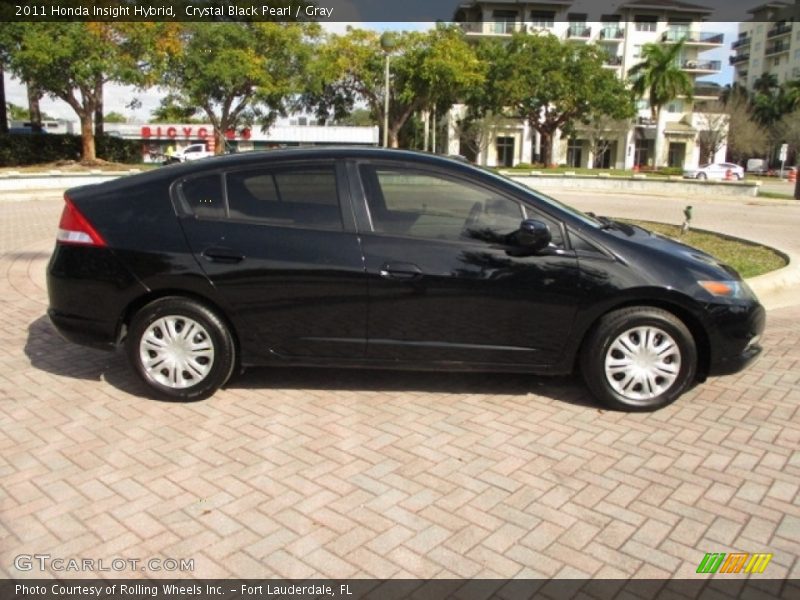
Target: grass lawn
(776, 195)
(747, 258)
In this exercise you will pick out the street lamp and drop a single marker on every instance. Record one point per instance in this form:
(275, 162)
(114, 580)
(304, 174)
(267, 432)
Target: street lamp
(387, 45)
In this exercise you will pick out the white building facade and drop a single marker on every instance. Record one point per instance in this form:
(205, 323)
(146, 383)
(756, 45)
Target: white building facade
(768, 42)
(622, 34)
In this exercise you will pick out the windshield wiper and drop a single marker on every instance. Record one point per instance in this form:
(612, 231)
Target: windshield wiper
(605, 222)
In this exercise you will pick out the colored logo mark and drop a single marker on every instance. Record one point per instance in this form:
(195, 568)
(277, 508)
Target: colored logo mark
(735, 562)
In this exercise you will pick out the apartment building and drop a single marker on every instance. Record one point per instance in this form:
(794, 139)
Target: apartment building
(621, 34)
(768, 42)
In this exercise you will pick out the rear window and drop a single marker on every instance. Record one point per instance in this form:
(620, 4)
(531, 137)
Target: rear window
(293, 196)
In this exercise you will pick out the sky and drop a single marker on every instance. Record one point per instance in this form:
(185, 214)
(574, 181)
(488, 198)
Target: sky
(117, 97)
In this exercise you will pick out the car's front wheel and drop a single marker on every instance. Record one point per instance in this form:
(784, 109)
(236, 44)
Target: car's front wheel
(180, 348)
(639, 359)
(702, 176)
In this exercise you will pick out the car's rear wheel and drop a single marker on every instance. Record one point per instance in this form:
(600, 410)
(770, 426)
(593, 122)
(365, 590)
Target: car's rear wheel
(639, 359)
(180, 348)
(702, 176)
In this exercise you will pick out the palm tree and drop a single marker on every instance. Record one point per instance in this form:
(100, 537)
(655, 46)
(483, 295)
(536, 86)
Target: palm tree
(765, 84)
(660, 77)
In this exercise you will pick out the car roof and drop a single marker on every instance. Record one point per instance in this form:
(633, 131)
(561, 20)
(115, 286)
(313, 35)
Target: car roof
(243, 159)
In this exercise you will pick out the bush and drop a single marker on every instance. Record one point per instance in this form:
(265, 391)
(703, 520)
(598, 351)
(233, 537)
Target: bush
(29, 149)
(671, 171)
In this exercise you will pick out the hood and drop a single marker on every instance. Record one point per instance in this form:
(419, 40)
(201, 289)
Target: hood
(658, 245)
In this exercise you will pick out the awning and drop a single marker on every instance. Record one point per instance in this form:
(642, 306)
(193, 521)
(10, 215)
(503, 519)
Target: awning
(679, 128)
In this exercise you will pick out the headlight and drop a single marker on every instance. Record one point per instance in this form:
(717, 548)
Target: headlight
(727, 288)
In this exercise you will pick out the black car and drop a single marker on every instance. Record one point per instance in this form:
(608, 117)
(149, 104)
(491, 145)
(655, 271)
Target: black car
(378, 258)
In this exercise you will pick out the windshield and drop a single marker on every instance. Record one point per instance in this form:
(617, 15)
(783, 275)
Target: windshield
(574, 212)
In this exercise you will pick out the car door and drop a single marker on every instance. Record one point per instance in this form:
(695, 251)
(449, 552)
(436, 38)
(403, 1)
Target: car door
(278, 242)
(444, 287)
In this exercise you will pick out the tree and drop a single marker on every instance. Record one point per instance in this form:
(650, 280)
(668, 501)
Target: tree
(239, 73)
(746, 136)
(713, 122)
(553, 85)
(766, 84)
(359, 117)
(476, 132)
(20, 113)
(429, 70)
(600, 132)
(73, 60)
(660, 77)
(115, 117)
(169, 111)
(790, 126)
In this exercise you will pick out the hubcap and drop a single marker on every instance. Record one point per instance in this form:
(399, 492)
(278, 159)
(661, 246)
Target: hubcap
(642, 363)
(176, 352)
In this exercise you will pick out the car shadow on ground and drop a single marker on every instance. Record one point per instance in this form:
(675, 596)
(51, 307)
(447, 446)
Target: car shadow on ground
(49, 352)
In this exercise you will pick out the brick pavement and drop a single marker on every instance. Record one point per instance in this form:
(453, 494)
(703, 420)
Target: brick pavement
(300, 473)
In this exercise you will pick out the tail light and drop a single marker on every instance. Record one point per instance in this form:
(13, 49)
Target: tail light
(74, 228)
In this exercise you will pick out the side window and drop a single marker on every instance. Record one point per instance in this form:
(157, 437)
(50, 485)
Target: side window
(202, 196)
(299, 197)
(427, 205)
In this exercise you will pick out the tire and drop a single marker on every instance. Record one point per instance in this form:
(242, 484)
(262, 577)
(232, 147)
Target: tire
(702, 176)
(658, 340)
(157, 338)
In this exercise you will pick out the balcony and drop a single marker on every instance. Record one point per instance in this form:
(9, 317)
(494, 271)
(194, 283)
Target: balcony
(745, 41)
(693, 38)
(780, 29)
(706, 92)
(701, 66)
(502, 27)
(739, 58)
(612, 61)
(777, 48)
(579, 32)
(611, 34)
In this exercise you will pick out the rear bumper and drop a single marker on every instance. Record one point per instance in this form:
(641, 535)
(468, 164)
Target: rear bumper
(88, 289)
(84, 331)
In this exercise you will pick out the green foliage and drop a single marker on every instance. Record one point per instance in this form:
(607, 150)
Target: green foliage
(73, 60)
(659, 76)
(429, 70)
(170, 111)
(17, 113)
(360, 117)
(552, 84)
(239, 73)
(115, 117)
(19, 150)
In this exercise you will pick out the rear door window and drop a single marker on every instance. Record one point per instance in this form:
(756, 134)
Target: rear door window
(297, 196)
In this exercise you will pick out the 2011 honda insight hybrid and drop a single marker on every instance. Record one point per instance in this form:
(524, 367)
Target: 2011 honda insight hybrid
(363, 257)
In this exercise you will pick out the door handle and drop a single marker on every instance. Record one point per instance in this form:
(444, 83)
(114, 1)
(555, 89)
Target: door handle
(222, 255)
(400, 271)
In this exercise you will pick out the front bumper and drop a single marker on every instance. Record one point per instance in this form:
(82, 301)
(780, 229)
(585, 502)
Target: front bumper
(734, 337)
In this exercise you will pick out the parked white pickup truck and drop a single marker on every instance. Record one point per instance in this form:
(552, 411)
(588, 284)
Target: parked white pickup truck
(193, 152)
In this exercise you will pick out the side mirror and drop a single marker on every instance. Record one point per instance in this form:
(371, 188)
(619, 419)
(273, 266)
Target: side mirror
(533, 235)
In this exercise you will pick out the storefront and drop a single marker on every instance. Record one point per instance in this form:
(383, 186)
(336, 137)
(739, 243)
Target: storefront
(158, 138)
